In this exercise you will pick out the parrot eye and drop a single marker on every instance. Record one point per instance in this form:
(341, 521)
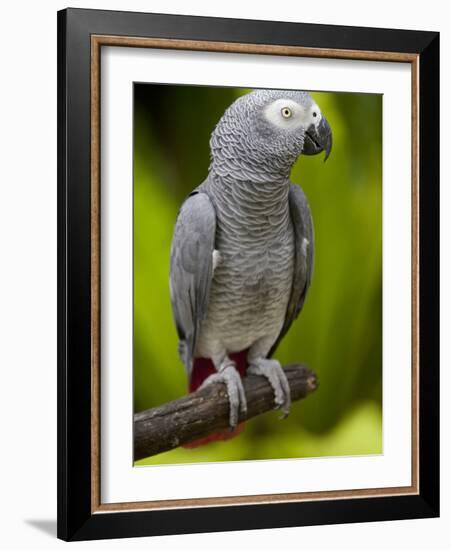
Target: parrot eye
(314, 114)
(286, 112)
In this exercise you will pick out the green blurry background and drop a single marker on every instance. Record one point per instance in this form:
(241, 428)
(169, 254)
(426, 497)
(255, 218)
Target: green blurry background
(339, 332)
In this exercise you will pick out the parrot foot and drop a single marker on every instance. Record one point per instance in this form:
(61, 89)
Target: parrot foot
(228, 375)
(272, 370)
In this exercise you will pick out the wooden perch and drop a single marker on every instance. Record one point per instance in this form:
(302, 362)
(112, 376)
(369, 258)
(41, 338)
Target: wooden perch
(207, 410)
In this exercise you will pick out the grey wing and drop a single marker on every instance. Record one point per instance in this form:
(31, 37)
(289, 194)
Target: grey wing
(301, 218)
(191, 270)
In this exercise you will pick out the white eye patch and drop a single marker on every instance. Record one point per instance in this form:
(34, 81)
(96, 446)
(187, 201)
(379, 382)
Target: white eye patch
(289, 115)
(315, 114)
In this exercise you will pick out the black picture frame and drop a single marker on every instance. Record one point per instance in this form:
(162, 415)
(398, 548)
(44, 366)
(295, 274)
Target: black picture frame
(76, 518)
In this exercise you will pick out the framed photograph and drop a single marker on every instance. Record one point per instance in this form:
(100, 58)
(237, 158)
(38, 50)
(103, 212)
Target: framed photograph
(248, 274)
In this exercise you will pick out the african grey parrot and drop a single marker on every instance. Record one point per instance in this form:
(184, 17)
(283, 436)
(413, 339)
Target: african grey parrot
(242, 250)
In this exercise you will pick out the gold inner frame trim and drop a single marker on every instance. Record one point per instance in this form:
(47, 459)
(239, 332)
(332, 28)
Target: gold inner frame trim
(97, 41)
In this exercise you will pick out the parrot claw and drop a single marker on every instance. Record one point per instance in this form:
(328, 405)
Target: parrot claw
(229, 376)
(273, 372)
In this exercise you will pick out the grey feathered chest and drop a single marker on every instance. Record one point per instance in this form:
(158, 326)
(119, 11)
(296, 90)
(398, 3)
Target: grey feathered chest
(253, 274)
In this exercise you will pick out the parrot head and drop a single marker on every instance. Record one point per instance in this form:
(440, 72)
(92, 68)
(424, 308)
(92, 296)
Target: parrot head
(269, 129)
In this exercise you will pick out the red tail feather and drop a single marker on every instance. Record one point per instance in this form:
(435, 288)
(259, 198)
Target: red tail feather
(202, 369)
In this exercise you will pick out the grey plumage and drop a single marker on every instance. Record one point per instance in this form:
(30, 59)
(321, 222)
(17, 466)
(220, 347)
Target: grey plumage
(249, 220)
(192, 270)
(303, 250)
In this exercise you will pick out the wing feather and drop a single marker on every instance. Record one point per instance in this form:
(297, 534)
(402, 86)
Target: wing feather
(303, 266)
(191, 270)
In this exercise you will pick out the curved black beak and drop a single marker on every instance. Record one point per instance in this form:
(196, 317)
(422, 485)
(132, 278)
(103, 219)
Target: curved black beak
(318, 138)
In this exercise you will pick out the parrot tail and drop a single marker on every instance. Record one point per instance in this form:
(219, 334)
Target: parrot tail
(202, 368)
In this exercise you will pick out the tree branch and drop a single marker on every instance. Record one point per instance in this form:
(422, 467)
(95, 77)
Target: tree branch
(207, 410)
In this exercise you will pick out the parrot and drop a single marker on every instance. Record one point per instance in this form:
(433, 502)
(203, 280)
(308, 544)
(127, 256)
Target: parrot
(241, 256)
